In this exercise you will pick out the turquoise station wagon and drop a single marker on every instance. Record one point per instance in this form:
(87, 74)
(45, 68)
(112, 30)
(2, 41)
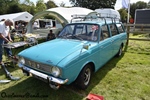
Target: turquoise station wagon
(80, 49)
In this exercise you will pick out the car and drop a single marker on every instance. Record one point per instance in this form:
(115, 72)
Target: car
(80, 49)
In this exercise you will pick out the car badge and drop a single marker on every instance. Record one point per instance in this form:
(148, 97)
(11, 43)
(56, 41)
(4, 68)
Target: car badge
(49, 61)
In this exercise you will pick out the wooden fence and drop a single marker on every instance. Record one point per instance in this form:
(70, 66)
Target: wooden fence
(137, 29)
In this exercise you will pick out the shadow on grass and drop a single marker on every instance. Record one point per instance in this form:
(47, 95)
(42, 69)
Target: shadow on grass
(30, 88)
(33, 89)
(96, 77)
(102, 72)
(10, 67)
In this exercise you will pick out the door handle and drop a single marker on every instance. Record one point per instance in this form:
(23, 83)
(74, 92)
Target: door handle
(112, 40)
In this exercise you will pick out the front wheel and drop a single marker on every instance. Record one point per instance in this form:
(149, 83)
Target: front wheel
(84, 77)
(119, 52)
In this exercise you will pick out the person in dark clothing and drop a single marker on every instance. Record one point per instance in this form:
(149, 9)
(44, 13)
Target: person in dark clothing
(50, 36)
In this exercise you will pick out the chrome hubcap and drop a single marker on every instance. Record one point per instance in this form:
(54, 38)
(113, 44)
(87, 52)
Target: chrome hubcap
(87, 76)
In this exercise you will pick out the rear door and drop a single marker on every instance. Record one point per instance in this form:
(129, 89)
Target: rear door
(105, 45)
(115, 38)
(122, 33)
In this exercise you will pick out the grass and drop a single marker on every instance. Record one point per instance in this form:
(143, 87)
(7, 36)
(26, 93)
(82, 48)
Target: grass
(124, 78)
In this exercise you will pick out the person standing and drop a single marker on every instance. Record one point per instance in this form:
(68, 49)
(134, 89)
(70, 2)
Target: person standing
(5, 36)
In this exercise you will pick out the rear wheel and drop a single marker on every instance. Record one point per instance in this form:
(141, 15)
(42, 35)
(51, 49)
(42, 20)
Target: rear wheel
(84, 77)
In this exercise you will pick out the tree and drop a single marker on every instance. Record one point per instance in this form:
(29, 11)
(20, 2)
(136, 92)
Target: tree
(123, 15)
(5, 5)
(2, 5)
(40, 6)
(148, 5)
(94, 4)
(28, 6)
(62, 4)
(138, 5)
(27, 2)
(50, 4)
(14, 8)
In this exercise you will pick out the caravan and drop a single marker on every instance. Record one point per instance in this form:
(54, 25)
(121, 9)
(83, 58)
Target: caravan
(44, 23)
(42, 26)
(108, 12)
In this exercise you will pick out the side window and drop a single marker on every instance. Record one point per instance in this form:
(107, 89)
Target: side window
(113, 29)
(104, 32)
(120, 28)
(93, 34)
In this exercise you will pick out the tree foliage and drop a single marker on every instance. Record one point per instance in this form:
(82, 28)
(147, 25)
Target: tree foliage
(6, 5)
(40, 6)
(50, 4)
(28, 2)
(137, 5)
(62, 4)
(14, 6)
(123, 14)
(94, 4)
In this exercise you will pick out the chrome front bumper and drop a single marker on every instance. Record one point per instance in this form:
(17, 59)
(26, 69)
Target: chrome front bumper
(44, 76)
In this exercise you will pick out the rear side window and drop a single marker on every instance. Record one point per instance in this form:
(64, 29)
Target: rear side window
(120, 28)
(104, 32)
(113, 29)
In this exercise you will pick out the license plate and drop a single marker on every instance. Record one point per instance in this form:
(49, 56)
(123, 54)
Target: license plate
(40, 78)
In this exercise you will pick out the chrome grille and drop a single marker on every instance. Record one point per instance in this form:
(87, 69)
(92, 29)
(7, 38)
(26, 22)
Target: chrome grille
(37, 65)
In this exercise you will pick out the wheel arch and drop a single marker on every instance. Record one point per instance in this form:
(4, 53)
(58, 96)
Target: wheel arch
(122, 44)
(91, 64)
(79, 79)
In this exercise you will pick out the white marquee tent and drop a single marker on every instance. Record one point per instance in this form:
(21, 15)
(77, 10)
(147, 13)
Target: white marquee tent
(62, 14)
(68, 12)
(22, 16)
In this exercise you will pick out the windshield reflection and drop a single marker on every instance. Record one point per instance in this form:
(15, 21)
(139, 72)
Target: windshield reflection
(86, 32)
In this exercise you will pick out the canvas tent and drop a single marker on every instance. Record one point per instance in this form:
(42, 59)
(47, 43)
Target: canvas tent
(22, 16)
(62, 14)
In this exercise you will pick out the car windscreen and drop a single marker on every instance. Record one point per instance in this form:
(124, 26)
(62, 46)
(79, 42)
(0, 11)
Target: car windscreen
(80, 31)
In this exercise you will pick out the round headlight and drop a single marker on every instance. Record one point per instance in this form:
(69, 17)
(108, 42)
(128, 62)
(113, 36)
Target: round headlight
(22, 61)
(55, 71)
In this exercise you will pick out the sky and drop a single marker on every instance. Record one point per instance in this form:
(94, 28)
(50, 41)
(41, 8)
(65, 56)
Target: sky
(67, 3)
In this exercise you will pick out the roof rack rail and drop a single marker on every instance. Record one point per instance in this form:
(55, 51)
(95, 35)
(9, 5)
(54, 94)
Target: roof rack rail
(77, 16)
(95, 15)
(113, 17)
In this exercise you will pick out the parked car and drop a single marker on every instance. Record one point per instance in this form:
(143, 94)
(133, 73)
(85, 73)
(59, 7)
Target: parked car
(80, 50)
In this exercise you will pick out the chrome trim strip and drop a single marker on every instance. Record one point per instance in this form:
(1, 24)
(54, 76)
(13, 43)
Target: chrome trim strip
(39, 74)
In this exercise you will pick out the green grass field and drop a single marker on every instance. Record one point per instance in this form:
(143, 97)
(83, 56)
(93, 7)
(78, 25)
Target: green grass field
(124, 78)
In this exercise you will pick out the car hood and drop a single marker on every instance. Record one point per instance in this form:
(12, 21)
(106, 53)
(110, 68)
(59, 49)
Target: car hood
(54, 51)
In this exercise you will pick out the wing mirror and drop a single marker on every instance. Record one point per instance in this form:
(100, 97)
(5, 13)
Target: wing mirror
(86, 46)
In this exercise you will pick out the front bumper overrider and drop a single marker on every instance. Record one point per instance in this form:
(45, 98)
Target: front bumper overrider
(53, 81)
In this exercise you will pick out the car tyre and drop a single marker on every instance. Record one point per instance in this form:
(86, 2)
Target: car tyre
(120, 51)
(84, 77)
